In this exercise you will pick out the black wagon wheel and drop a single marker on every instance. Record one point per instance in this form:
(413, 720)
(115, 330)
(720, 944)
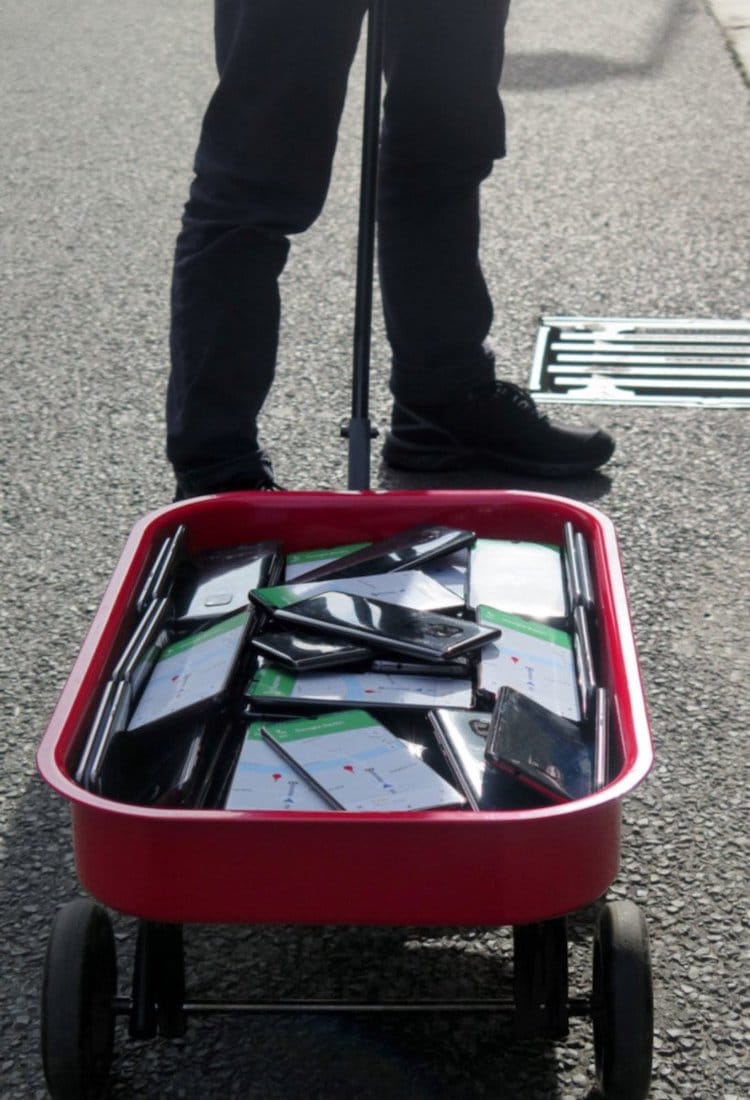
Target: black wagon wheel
(623, 1012)
(77, 1017)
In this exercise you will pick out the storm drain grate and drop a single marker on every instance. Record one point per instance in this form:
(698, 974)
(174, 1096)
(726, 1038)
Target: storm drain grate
(642, 361)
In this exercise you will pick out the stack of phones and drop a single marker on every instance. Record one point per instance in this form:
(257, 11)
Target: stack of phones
(522, 754)
(542, 597)
(485, 649)
(462, 739)
(543, 726)
(347, 760)
(165, 711)
(371, 626)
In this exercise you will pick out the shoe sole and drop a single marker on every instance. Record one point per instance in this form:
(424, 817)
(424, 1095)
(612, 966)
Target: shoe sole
(443, 460)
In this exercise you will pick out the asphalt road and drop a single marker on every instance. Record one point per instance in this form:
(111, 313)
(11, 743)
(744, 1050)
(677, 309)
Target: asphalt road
(625, 193)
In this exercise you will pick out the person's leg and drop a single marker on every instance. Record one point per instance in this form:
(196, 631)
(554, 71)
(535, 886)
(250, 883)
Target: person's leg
(443, 128)
(262, 171)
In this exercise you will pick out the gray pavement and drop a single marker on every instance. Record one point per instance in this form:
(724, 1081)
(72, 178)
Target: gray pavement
(624, 193)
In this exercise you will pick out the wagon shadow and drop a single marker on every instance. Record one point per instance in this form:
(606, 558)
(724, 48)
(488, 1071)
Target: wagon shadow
(277, 1057)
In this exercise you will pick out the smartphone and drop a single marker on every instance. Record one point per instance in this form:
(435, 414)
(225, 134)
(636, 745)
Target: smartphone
(460, 669)
(216, 583)
(571, 566)
(193, 672)
(585, 579)
(111, 717)
(144, 646)
(272, 686)
(577, 568)
(405, 550)
(542, 749)
(519, 577)
(601, 739)
(161, 574)
(101, 716)
(407, 587)
(303, 652)
(148, 768)
(461, 736)
(428, 635)
(584, 659)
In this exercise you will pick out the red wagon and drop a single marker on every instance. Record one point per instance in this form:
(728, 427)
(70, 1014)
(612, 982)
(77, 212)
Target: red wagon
(528, 868)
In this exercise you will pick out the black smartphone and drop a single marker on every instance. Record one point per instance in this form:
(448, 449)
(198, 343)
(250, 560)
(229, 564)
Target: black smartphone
(462, 738)
(584, 655)
(405, 550)
(601, 739)
(571, 566)
(148, 768)
(545, 751)
(162, 572)
(144, 646)
(577, 568)
(423, 634)
(585, 578)
(194, 672)
(306, 652)
(216, 583)
(111, 717)
(407, 587)
(460, 669)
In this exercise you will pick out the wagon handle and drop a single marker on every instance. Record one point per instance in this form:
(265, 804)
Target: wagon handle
(359, 430)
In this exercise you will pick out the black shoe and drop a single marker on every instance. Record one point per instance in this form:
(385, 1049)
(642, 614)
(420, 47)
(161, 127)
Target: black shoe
(496, 425)
(263, 482)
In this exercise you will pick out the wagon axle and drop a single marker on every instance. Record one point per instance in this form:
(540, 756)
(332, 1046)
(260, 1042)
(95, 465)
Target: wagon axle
(501, 1006)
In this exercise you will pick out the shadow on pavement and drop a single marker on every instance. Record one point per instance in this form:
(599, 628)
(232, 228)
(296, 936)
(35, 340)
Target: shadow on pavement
(587, 490)
(548, 69)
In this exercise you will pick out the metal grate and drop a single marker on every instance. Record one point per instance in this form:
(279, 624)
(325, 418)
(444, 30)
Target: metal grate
(642, 361)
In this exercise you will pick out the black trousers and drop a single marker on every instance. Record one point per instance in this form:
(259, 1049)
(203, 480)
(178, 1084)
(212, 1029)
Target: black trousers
(262, 171)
